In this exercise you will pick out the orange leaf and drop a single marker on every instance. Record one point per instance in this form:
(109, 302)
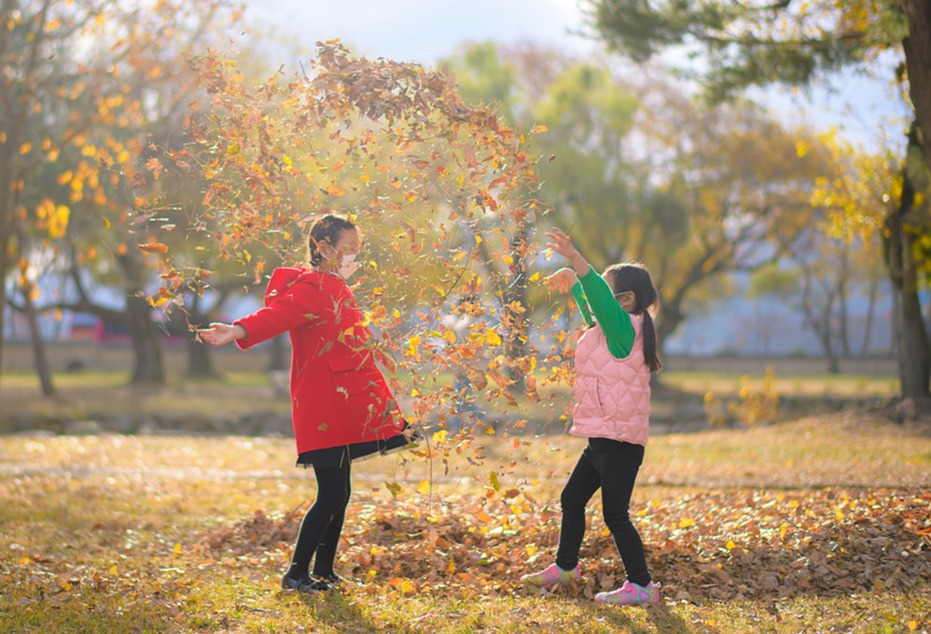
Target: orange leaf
(154, 247)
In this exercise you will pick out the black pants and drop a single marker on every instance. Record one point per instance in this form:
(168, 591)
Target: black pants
(612, 466)
(323, 522)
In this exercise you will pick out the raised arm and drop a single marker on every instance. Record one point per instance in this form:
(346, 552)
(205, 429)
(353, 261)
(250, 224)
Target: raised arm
(614, 321)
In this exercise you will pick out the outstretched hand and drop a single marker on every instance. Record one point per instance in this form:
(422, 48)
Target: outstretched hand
(561, 243)
(219, 334)
(562, 280)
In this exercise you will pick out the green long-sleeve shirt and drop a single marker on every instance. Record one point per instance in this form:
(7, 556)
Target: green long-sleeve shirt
(593, 295)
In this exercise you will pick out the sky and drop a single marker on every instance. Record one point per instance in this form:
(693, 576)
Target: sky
(417, 31)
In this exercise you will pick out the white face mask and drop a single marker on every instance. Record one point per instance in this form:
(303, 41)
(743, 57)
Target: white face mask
(348, 266)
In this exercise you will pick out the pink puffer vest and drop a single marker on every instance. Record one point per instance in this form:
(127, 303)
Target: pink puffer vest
(612, 396)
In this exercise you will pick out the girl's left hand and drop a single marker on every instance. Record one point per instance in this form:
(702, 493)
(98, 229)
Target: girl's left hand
(562, 280)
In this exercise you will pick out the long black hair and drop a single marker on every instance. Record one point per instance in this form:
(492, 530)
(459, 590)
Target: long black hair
(634, 277)
(327, 229)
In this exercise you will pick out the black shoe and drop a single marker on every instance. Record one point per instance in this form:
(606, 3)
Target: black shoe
(334, 580)
(308, 584)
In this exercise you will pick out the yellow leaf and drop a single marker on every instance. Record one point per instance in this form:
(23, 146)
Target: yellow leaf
(232, 150)
(25, 148)
(114, 570)
(492, 337)
(493, 478)
(286, 160)
(730, 545)
(535, 276)
(539, 129)
(440, 436)
(58, 221)
(531, 550)
(686, 522)
(424, 487)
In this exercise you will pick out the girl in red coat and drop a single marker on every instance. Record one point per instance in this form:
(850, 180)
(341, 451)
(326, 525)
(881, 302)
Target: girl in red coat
(341, 406)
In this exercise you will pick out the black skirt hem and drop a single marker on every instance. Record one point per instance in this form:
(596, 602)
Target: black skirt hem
(335, 456)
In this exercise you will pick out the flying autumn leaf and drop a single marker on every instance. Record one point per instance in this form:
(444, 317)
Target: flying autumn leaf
(154, 247)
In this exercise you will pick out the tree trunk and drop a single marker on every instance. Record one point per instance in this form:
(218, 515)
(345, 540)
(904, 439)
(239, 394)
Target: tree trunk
(870, 311)
(38, 345)
(917, 48)
(843, 326)
(149, 367)
(148, 364)
(6, 227)
(4, 264)
(29, 308)
(912, 346)
(199, 361)
(13, 116)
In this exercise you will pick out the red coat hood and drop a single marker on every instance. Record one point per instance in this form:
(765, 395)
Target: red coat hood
(284, 278)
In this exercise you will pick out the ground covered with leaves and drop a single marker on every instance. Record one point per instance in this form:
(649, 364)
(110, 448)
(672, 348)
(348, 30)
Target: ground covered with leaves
(823, 524)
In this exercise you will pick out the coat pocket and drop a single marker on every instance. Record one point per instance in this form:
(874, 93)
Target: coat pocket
(353, 374)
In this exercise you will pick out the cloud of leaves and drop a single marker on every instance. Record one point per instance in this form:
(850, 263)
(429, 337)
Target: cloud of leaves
(442, 191)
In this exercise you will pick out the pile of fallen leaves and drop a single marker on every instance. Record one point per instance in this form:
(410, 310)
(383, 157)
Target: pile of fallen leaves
(722, 545)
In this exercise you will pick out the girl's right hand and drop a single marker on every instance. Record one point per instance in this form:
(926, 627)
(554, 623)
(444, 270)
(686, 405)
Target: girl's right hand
(561, 243)
(562, 280)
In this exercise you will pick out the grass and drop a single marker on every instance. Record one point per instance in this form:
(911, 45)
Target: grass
(119, 533)
(96, 394)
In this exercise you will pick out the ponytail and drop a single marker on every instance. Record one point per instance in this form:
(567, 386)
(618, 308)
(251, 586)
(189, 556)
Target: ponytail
(650, 344)
(634, 277)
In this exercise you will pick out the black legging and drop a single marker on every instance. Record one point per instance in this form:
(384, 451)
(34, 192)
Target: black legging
(323, 523)
(613, 466)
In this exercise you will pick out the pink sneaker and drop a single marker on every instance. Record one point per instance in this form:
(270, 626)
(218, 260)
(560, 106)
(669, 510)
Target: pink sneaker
(552, 576)
(631, 594)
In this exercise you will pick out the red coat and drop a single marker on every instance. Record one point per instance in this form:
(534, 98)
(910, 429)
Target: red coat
(338, 394)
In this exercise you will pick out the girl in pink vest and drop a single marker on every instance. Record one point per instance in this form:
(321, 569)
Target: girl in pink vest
(613, 362)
